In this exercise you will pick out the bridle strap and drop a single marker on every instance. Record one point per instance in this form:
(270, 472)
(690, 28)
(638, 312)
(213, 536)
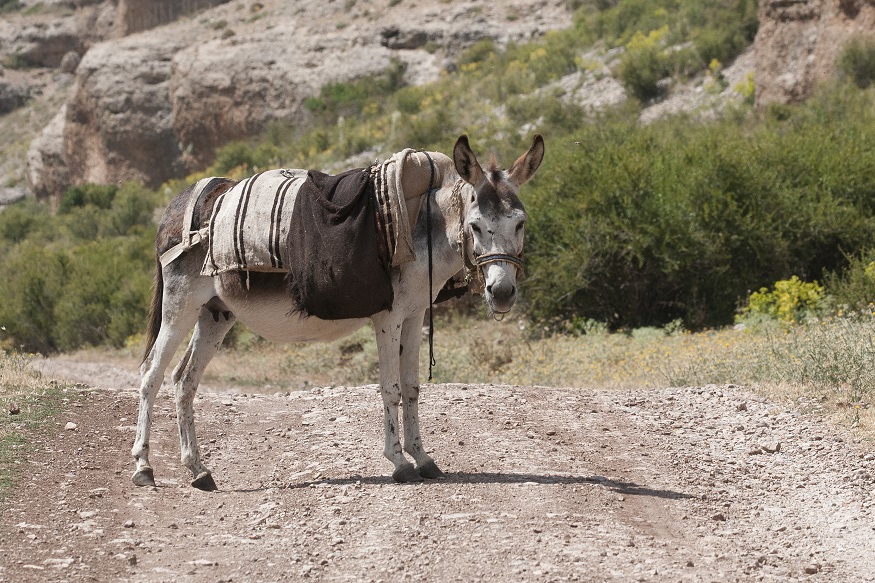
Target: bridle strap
(488, 258)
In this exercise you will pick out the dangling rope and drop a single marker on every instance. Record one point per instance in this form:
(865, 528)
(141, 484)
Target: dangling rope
(431, 360)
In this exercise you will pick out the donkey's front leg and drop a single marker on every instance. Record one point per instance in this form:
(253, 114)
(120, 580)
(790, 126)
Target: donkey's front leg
(410, 340)
(388, 332)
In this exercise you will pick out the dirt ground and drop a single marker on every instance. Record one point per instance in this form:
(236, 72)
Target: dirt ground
(543, 484)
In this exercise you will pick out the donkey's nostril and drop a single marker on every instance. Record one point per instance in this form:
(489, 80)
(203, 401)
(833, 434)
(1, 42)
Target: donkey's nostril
(489, 289)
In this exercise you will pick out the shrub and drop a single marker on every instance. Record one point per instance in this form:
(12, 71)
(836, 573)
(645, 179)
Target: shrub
(791, 300)
(638, 226)
(643, 65)
(19, 220)
(857, 61)
(853, 288)
(98, 195)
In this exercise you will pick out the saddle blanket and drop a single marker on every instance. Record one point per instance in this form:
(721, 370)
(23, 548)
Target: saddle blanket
(250, 224)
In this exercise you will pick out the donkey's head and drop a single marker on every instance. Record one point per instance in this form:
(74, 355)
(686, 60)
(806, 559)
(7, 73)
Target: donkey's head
(495, 218)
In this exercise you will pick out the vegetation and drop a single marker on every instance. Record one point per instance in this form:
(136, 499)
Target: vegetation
(638, 226)
(37, 400)
(857, 61)
(79, 277)
(632, 227)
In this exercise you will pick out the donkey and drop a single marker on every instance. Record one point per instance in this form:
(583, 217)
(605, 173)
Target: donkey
(476, 223)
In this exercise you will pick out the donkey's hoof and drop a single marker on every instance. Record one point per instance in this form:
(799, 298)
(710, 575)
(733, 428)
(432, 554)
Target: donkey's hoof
(430, 471)
(205, 482)
(406, 474)
(144, 477)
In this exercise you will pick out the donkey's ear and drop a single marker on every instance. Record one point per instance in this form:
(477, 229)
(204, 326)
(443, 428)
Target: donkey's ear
(527, 164)
(466, 162)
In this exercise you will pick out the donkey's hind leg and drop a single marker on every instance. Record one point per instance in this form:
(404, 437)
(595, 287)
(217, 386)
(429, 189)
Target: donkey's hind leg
(213, 324)
(178, 316)
(410, 339)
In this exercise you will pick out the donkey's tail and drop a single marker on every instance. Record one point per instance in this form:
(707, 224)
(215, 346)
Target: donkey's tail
(155, 309)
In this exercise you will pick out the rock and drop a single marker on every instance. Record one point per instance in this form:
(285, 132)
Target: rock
(46, 166)
(14, 409)
(812, 568)
(797, 45)
(12, 96)
(155, 106)
(70, 62)
(770, 446)
(70, 426)
(12, 194)
(59, 563)
(719, 517)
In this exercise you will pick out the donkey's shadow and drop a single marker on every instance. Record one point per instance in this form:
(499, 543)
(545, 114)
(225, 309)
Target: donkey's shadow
(618, 486)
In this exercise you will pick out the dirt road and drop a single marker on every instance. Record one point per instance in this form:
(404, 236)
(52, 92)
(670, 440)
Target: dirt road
(543, 484)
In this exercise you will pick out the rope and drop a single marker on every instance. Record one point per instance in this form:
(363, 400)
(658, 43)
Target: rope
(431, 360)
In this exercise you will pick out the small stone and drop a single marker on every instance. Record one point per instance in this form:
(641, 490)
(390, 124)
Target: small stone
(812, 568)
(718, 517)
(773, 446)
(741, 406)
(129, 524)
(70, 426)
(690, 564)
(14, 409)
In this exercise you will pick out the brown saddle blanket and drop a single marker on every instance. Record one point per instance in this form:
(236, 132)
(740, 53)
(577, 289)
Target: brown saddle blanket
(338, 266)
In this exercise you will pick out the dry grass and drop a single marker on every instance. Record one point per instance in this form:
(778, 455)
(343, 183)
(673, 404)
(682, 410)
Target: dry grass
(827, 367)
(28, 402)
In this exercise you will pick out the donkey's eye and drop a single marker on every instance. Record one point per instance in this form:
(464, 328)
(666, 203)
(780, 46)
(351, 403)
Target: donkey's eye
(475, 228)
(519, 227)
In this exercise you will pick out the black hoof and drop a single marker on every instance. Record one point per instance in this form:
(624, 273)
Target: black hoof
(406, 474)
(430, 471)
(205, 482)
(144, 477)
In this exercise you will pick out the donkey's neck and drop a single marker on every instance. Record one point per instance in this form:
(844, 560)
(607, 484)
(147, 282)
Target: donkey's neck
(446, 218)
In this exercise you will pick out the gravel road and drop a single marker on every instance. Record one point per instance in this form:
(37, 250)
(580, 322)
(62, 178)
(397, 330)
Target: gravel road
(543, 484)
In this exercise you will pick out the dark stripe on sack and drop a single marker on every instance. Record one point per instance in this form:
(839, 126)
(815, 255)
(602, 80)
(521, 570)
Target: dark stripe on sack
(274, 227)
(282, 205)
(216, 209)
(241, 217)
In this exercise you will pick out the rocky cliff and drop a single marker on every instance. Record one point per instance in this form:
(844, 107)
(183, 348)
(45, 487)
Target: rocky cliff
(798, 42)
(154, 105)
(126, 90)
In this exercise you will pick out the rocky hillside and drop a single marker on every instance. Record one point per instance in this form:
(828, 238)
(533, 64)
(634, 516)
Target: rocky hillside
(154, 104)
(115, 90)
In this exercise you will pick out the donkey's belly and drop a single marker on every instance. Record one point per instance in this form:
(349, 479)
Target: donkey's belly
(267, 309)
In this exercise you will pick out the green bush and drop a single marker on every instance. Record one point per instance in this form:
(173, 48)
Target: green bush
(82, 277)
(639, 226)
(853, 288)
(857, 61)
(20, 220)
(98, 195)
(643, 65)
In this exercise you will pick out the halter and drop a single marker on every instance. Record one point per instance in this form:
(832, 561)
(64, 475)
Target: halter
(475, 279)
